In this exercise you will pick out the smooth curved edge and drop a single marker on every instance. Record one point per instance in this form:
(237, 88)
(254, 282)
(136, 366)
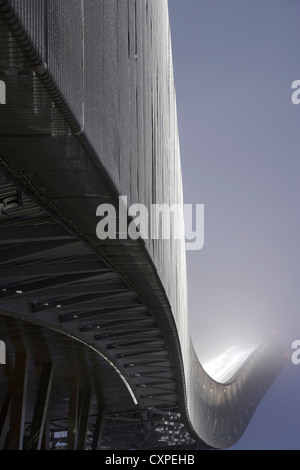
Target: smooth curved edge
(78, 339)
(200, 411)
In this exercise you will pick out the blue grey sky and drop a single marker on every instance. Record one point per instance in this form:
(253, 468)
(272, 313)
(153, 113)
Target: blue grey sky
(234, 64)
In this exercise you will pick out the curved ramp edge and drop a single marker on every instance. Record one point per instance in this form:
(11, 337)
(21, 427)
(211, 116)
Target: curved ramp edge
(216, 414)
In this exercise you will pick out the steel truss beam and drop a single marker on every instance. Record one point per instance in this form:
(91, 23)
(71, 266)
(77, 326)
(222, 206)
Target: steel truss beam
(41, 408)
(87, 298)
(50, 196)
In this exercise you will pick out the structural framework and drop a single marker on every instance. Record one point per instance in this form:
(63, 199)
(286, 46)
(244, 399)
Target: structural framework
(98, 352)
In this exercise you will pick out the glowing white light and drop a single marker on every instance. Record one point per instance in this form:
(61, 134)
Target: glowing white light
(223, 367)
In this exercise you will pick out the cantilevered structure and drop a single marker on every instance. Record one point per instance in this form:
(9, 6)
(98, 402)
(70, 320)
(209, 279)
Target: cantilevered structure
(98, 352)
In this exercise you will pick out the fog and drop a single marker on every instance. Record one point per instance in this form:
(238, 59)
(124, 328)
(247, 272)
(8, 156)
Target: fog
(234, 64)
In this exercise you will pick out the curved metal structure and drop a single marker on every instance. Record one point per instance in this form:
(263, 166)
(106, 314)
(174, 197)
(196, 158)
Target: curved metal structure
(98, 347)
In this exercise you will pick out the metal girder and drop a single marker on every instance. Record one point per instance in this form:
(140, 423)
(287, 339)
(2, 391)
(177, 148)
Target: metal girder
(99, 426)
(133, 323)
(55, 176)
(95, 310)
(131, 334)
(44, 265)
(5, 414)
(59, 293)
(21, 253)
(153, 429)
(88, 301)
(85, 403)
(20, 272)
(37, 431)
(18, 402)
(30, 234)
(73, 412)
(28, 287)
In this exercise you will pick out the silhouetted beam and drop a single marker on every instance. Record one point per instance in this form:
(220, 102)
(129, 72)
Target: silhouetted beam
(98, 308)
(20, 272)
(142, 345)
(100, 421)
(84, 419)
(33, 250)
(4, 416)
(133, 323)
(19, 392)
(73, 412)
(41, 408)
(88, 300)
(33, 233)
(45, 286)
(46, 436)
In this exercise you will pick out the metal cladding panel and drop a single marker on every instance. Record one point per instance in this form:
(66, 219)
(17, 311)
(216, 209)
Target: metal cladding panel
(34, 18)
(111, 60)
(58, 38)
(64, 40)
(101, 93)
(130, 117)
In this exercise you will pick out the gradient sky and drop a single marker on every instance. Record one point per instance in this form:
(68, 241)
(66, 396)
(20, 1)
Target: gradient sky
(234, 64)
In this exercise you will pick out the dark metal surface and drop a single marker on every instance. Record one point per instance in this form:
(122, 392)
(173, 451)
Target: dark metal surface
(91, 115)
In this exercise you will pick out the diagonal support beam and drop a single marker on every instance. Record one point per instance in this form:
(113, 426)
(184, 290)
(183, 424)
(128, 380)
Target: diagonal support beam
(73, 412)
(97, 438)
(67, 292)
(19, 394)
(41, 408)
(84, 419)
(4, 416)
(22, 272)
(33, 250)
(33, 234)
(48, 286)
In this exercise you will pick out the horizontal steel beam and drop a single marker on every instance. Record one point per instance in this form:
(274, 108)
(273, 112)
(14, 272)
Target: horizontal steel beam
(32, 233)
(37, 270)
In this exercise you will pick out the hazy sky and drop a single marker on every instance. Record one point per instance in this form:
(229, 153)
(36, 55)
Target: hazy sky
(234, 64)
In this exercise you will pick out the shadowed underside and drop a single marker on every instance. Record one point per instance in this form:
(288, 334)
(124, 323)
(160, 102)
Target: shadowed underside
(98, 347)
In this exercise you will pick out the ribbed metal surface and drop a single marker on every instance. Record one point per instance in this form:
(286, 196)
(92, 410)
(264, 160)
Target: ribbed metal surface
(81, 308)
(90, 115)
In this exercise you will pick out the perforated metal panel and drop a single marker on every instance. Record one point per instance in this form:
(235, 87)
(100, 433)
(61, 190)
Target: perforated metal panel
(90, 116)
